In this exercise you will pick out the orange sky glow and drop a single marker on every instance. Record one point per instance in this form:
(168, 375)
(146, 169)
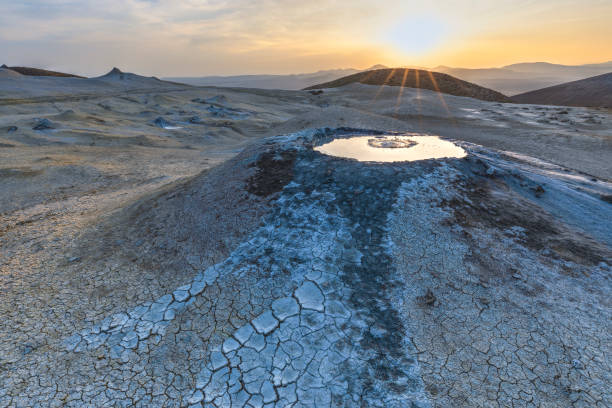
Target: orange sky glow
(207, 37)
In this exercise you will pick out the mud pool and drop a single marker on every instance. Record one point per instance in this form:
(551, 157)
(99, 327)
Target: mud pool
(391, 148)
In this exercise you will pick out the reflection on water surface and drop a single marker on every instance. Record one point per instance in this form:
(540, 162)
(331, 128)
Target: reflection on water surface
(391, 148)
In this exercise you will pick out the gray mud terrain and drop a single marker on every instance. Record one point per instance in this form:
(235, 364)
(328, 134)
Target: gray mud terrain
(430, 283)
(220, 264)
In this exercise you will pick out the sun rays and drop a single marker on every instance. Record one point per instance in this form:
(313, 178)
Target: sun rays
(438, 91)
(386, 81)
(414, 82)
(418, 91)
(401, 90)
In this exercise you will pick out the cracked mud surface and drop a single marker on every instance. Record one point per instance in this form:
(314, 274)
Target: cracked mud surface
(426, 284)
(506, 324)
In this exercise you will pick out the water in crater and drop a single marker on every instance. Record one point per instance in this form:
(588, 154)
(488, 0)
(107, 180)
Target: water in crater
(387, 148)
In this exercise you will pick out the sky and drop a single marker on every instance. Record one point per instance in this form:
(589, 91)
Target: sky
(215, 37)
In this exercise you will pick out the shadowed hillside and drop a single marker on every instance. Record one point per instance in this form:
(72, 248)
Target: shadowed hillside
(592, 92)
(40, 72)
(416, 78)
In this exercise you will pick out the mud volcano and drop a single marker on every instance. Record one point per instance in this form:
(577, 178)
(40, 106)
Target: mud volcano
(468, 280)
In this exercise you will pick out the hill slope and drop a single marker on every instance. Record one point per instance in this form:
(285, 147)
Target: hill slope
(9, 73)
(29, 71)
(417, 78)
(592, 92)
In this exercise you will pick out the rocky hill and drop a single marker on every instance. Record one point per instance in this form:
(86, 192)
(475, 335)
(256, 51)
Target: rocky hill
(418, 78)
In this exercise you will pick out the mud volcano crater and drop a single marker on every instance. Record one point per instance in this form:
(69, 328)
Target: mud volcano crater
(390, 147)
(343, 273)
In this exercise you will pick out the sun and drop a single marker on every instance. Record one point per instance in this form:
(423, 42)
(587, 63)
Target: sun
(416, 36)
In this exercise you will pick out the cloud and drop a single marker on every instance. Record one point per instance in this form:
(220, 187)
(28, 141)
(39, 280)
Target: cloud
(191, 37)
(188, 26)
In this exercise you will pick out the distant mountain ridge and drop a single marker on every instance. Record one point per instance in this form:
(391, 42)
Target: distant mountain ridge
(590, 92)
(547, 67)
(523, 77)
(515, 79)
(509, 80)
(288, 82)
(416, 78)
